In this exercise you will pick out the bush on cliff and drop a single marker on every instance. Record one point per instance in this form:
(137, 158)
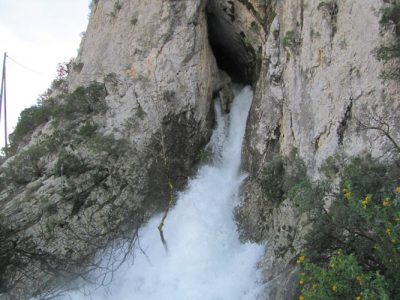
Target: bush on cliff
(83, 101)
(353, 248)
(390, 52)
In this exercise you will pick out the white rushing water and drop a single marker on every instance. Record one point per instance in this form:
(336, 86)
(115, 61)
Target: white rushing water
(205, 259)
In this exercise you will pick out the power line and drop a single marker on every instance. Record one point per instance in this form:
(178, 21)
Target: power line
(23, 66)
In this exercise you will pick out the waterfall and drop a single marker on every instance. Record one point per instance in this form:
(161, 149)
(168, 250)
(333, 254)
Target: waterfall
(205, 260)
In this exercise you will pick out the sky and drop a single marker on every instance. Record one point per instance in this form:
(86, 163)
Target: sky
(37, 35)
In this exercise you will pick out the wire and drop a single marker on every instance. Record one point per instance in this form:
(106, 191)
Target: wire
(23, 66)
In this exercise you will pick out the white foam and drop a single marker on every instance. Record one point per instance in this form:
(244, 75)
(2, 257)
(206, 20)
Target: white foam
(205, 259)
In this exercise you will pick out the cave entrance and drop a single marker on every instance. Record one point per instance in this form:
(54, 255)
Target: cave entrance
(234, 54)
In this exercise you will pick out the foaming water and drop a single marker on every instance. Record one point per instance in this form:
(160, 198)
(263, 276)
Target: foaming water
(205, 259)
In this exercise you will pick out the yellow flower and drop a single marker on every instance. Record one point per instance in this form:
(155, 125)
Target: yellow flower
(386, 202)
(301, 297)
(332, 265)
(398, 189)
(359, 279)
(300, 259)
(388, 231)
(365, 202)
(301, 282)
(334, 288)
(347, 195)
(358, 298)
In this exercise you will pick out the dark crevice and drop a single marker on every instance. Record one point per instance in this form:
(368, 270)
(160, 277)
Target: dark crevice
(344, 123)
(234, 56)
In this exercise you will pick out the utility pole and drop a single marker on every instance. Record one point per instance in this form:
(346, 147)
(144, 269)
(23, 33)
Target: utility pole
(3, 95)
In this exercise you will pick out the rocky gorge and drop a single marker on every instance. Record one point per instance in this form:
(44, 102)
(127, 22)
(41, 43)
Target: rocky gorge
(114, 141)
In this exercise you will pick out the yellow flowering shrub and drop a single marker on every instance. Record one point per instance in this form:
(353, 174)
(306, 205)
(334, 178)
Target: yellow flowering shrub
(346, 281)
(353, 247)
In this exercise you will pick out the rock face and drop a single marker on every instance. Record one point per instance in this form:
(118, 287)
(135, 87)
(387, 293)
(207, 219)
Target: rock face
(157, 65)
(108, 156)
(319, 86)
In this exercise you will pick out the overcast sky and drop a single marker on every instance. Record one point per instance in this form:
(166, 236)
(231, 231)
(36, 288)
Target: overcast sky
(37, 34)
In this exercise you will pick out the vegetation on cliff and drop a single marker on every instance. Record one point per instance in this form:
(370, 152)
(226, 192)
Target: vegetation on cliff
(353, 248)
(56, 184)
(390, 52)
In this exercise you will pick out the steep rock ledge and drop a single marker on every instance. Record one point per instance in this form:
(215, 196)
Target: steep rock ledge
(98, 174)
(319, 80)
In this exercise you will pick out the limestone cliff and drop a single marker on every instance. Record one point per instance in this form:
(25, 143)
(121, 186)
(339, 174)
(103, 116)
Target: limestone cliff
(157, 65)
(320, 84)
(121, 133)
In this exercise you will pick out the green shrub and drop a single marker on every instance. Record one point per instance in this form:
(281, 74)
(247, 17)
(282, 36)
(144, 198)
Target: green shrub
(391, 51)
(26, 166)
(292, 40)
(330, 6)
(341, 278)
(52, 208)
(363, 221)
(255, 27)
(88, 130)
(134, 20)
(54, 142)
(280, 176)
(272, 180)
(29, 164)
(331, 167)
(69, 164)
(78, 200)
(391, 16)
(29, 119)
(77, 191)
(169, 95)
(85, 100)
(366, 175)
(3, 183)
(57, 83)
(117, 8)
(109, 144)
(9, 260)
(330, 9)
(204, 155)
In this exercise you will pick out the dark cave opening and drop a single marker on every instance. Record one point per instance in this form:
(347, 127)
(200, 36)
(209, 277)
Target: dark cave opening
(234, 56)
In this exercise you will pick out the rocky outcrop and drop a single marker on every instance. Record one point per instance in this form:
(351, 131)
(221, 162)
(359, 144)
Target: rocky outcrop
(318, 90)
(108, 155)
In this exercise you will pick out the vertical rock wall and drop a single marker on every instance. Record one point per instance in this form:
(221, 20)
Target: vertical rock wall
(109, 170)
(319, 80)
